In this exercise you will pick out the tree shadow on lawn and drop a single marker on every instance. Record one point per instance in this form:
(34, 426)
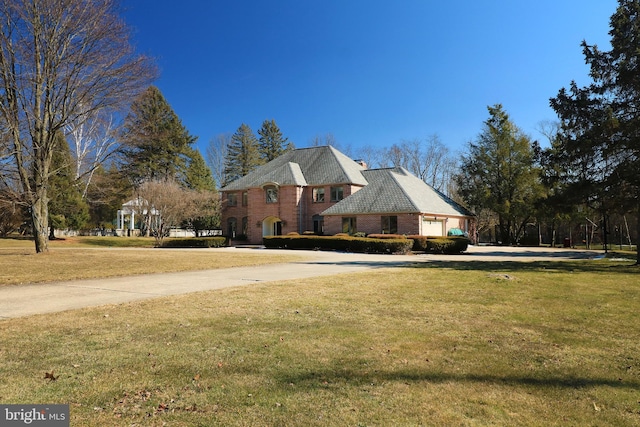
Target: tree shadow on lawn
(524, 253)
(587, 266)
(322, 378)
(584, 266)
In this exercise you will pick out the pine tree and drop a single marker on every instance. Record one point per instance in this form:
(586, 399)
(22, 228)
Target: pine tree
(499, 174)
(198, 175)
(599, 140)
(155, 143)
(243, 155)
(272, 143)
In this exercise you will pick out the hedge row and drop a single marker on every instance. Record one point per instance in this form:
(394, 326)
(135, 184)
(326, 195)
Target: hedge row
(196, 242)
(340, 243)
(440, 245)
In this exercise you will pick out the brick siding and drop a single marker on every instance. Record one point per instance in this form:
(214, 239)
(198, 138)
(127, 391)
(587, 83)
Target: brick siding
(295, 209)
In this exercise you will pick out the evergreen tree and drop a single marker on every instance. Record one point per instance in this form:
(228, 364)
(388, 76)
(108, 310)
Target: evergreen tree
(67, 209)
(599, 140)
(499, 174)
(198, 175)
(206, 212)
(243, 155)
(272, 143)
(155, 143)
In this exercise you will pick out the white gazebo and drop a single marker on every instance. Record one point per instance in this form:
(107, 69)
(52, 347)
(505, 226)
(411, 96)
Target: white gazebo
(127, 214)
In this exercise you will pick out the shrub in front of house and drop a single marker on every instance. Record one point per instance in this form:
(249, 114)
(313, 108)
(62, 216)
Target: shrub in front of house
(339, 243)
(419, 243)
(387, 236)
(445, 245)
(196, 242)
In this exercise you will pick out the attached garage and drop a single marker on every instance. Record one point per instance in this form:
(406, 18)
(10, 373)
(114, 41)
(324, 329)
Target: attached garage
(431, 227)
(394, 199)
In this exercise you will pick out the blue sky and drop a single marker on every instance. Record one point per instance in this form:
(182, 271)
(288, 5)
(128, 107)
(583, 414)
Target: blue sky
(371, 73)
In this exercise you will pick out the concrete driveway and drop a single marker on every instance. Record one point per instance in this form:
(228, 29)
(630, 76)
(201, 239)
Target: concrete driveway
(25, 300)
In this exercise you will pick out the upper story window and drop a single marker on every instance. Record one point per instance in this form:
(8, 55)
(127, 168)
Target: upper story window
(271, 194)
(318, 195)
(337, 194)
(245, 198)
(232, 199)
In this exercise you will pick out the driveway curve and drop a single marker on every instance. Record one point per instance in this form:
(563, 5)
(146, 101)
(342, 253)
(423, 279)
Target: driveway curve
(25, 300)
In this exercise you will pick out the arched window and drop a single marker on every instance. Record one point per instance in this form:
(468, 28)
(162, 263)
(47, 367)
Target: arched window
(271, 193)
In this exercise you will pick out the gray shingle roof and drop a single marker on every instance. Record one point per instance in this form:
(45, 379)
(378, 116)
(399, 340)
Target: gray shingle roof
(395, 190)
(304, 166)
(287, 174)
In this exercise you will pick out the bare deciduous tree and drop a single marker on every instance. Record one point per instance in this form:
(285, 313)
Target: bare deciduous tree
(165, 205)
(60, 61)
(330, 139)
(371, 156)
(205, 212)
(428, 159)
(216, 156)
(92, 141)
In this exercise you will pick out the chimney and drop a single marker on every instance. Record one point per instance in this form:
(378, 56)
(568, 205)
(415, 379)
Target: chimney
(361, 163)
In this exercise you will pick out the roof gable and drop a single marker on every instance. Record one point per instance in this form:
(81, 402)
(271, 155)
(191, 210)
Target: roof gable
(313, 166)
(395, 190)
(287, 174)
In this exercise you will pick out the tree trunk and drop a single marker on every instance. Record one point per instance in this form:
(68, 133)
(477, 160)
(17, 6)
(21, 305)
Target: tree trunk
(638, 231)
(40, 220)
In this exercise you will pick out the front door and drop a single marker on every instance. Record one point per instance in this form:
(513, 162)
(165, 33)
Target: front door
(271, 226)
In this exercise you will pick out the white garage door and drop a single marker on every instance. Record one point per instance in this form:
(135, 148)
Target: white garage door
(432, 228)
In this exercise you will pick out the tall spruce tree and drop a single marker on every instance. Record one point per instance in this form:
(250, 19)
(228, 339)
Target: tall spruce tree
(198, 175)
(243, 154)
(599, 140)
(155, 143)
(272, 143)
(499, 174)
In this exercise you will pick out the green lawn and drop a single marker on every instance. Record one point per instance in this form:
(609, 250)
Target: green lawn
(469, 344)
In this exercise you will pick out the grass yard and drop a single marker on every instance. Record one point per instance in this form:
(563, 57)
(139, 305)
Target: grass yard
(468, 344)
(94, 257)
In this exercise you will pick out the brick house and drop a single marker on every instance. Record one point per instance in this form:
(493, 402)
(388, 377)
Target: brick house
(322, 190)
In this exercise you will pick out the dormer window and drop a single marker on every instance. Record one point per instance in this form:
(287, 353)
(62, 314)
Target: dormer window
(271, 193)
